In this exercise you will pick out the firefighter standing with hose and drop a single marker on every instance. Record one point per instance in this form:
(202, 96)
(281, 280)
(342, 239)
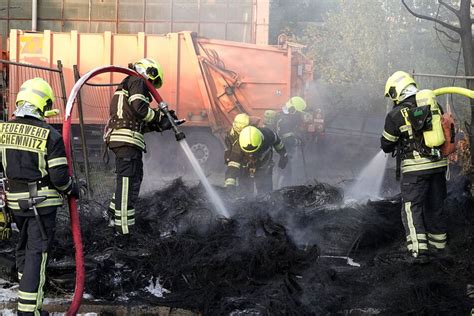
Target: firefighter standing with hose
(290, 125)
(130, 117)
(36, 170)
(252, 168)
(413, 130)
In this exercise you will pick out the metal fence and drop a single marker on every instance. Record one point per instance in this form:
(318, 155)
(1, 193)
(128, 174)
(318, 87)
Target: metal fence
(91, 153)
(15, 74)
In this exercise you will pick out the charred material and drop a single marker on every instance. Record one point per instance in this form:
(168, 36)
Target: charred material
(296, 251)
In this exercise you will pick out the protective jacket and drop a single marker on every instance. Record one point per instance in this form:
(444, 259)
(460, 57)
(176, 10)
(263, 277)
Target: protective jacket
(130, 114)
(289, 129)
(423, 185)
(33, 151)
(250, 163)
(416, 157)
(232, 148)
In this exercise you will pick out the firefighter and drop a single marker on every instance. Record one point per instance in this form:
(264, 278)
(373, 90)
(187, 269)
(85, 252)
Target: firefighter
(34, 163)
(270, 120)
(231, 140)
(290, 125)
(423, 184)
(130, 117)
(252, 168)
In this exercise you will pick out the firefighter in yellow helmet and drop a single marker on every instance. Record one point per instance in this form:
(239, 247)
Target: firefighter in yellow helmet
(412, 131)
(270, 119)
(231, 141)
(130, 117)
(290, 128)
(252, 169)
(35, 166)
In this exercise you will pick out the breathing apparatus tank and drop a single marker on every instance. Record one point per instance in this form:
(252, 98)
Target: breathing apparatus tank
(434, 136)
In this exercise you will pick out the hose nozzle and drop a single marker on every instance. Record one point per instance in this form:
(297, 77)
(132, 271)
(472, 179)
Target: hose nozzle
(174, 123)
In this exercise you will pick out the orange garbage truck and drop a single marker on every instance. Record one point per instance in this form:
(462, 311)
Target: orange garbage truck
(207, 81)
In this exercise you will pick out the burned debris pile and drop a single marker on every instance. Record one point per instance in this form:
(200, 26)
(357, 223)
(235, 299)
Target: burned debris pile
(295, 251)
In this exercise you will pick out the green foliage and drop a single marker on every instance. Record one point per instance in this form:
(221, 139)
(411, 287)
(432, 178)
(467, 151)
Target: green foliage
(360, 43)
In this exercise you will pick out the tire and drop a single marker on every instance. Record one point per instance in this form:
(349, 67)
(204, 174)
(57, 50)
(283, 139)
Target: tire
(207, 149)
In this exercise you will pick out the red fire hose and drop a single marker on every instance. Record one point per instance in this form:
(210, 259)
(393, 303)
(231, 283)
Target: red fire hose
(75, 225)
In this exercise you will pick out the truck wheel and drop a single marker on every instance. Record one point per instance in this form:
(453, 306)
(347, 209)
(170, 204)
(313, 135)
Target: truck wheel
(207, 149)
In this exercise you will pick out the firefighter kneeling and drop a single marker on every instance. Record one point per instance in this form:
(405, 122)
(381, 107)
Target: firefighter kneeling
(413, 128)
(252, 168)
(36, 170)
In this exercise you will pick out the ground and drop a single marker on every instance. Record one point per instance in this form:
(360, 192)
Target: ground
(297, 251)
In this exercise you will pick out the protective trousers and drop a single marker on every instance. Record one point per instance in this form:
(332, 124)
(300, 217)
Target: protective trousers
(287, 176)
(262, 181)
(129, 176)
(31, 259)
(423, 213)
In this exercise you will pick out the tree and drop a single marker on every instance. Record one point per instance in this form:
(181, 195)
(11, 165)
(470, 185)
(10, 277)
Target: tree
(459, 26)
(360, 43)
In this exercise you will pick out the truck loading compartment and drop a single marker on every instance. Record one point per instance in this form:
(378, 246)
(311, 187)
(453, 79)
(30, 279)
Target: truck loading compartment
(207, 81)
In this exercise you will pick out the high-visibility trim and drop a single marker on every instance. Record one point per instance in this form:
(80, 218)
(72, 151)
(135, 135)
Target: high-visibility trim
(22, 307)
(22, 195)
(411, 228)
(57, 162)
(64, 187)
(130, 212)
(124, 205)
(438, 237)
(150, 115)
(286, 135)
(437, 244)
(39, 93)
(53, 198)
(20, 275)
(234, 164)
(418, 236)
(410, 165)
(438, 240)
(230, 182)
(279, 146)
(4, 158)
(29, 296)
(120, 106)
(420, 246)
(138, 97)
(128, 136)
(389, 137)
(115, 138)
(122, 92)
(42, 164)
(42, 280)
(112, 206)
(129, 221)
(129, 133)
(49, 202)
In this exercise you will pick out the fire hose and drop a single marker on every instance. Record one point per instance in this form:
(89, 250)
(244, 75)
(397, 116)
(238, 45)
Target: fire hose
(75, 225)
(456, 90)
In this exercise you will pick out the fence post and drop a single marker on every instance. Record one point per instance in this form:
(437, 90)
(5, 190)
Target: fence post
(85, 153)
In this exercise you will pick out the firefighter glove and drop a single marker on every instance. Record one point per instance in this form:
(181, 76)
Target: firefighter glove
(74, 191)
(5, 225)
(283, 161)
